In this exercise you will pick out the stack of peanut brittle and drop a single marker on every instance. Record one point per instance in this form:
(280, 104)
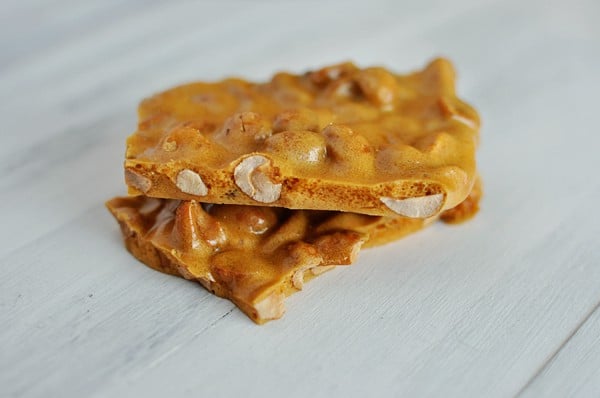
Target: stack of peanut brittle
(252, 189)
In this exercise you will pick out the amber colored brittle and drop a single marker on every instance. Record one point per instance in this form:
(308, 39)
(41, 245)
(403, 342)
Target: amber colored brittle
(252, 255)
(339, 138)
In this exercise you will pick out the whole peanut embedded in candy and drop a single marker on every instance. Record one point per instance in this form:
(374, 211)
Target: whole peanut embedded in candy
(300, 119)
(195, 229)
(186, 140)
(254, 176)
(188, 181)
(242, 132)
(349, 150)
(287, 90)
(378, 85)
(246, 219)
(303, 149)
(331, 73)
(137, 181)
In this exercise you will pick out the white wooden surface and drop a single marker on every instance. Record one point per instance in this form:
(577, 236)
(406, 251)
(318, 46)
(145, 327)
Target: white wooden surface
(506, 305)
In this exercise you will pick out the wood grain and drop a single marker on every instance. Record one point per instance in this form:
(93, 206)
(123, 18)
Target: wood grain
(574, 370)
(505, 305)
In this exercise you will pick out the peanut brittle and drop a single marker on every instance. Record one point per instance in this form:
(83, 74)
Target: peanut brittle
(252, 255)
(339, 138)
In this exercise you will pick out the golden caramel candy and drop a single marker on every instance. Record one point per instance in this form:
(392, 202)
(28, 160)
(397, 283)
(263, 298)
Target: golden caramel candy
(339, 138)
(253, 255)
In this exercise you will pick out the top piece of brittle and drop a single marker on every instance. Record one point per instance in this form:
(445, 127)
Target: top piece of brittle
(338, 138)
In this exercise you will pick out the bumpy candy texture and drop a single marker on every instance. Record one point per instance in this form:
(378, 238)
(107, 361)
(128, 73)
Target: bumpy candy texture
(339, 138)
(253, 255)
(252, 189)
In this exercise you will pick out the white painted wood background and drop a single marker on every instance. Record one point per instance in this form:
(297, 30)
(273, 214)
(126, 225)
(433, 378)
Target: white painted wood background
(506, 305)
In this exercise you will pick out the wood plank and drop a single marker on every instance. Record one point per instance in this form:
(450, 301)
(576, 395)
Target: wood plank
(574, 371)
(67, 325)
(489, 308)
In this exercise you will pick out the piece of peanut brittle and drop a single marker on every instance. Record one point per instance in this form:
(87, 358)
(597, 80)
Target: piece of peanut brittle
(339, 138)
(254, 256)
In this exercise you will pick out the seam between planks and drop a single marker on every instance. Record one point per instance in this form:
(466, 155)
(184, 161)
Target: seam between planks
(552, 357)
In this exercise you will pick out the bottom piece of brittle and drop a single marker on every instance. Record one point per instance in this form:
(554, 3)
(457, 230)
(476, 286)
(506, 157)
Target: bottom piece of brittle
(254, 256)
